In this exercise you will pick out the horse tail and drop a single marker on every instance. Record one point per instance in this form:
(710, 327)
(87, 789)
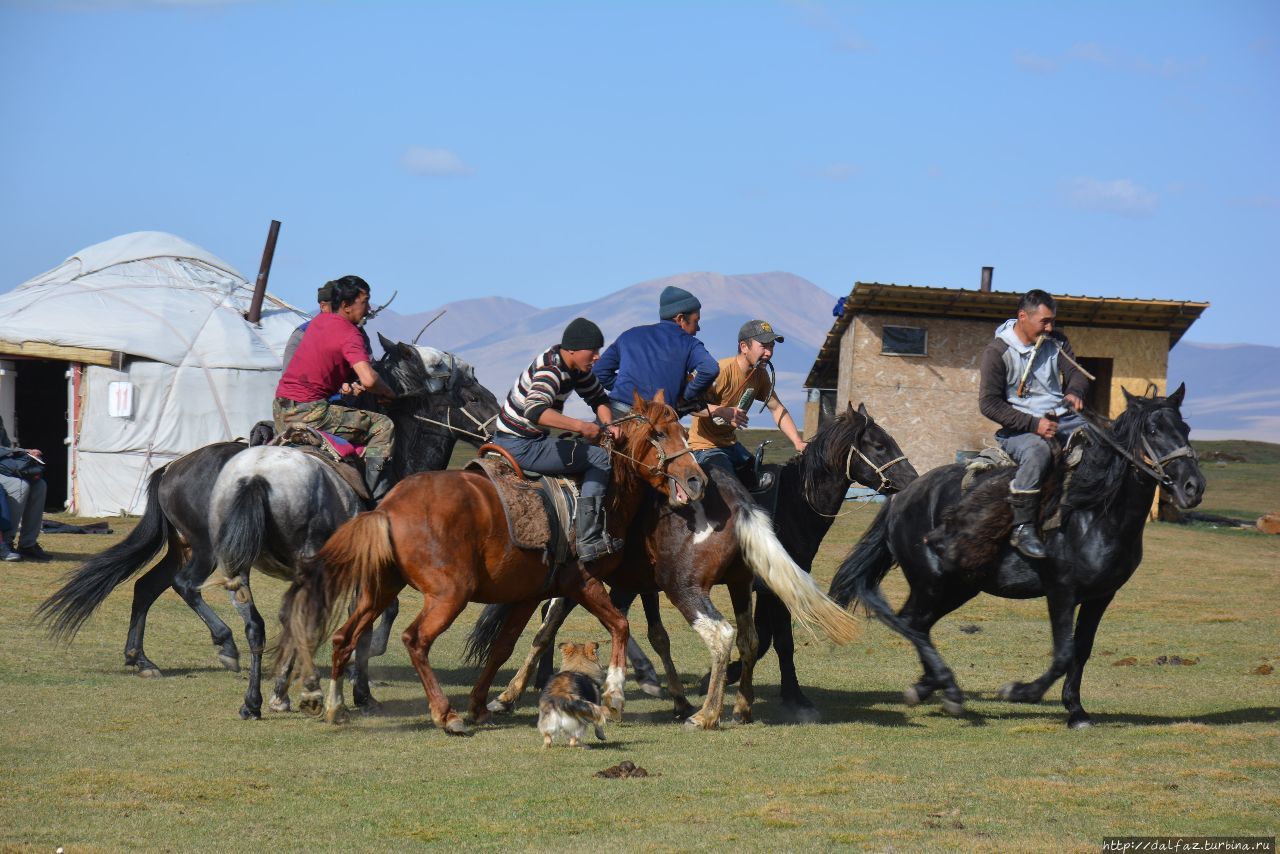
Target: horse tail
(244, 529)
(859, 577)
(771, 564)
(84, 589)
(359, 553)
(485, 633)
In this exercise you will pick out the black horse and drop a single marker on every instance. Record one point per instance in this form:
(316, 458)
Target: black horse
(437, 391)
(1093, 552)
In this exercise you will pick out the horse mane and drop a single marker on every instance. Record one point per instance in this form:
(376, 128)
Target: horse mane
(1101, 474)
(827, 451)
(626, 485)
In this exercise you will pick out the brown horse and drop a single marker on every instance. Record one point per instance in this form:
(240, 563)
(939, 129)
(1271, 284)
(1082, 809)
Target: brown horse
(446, 534)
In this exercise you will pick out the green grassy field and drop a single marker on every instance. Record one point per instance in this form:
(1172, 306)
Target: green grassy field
(96, 758)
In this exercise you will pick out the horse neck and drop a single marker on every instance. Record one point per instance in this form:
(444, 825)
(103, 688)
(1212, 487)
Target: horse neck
(829, 486)
(1130, 506)
(419, 446)
(626, 488)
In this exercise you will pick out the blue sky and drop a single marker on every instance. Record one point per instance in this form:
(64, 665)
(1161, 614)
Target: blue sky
(555, 152)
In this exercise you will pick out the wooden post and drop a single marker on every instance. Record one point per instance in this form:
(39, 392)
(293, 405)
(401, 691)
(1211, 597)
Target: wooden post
(264, 270)
(985, 287)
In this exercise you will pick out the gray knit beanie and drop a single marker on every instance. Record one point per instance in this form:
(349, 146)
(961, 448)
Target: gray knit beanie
(676, 301)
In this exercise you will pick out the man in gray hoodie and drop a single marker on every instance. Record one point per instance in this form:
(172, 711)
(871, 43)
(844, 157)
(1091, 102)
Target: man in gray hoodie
(1034, 396)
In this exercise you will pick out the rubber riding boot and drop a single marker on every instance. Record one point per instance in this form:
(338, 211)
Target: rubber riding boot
(754, 481)
(594, 541)
(1025, 537)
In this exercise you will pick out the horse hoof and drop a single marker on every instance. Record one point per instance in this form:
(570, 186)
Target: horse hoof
(682, 711)
(696, 723)
(953, 707)
(1082, 723)
(456, 726)
(1007, 691)
(501, 707)
(743, 718)
(311, 703)
(653, 689)
(337, 715)
(151, 672)
(230, 662)
(368, 706)
(280, 704)
(911, 696)
(480, 718)
(248, 714)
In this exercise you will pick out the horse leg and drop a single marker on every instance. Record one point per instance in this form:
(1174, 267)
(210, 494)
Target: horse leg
(1086, 627)
(641, 667)
(592, 596)
(145, 592)
(718, 634)
(740, 595)
(517, 618)
(661, 643)
(540, 651)
(772, 613)
(436, 616)
(382, 634)
(187, 584)
(279, 701)
(920, 612)
(255, 632)
(1062, 606)
(547, 660)
(344, 640)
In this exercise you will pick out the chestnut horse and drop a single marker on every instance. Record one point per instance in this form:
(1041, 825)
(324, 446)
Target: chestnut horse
(446, 534)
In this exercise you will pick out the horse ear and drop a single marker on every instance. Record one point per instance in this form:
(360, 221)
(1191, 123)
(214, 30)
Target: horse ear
(406, 351)
(661, 396)
(862, 410)
(637, 401)
(1129, 399)
(850, 405)
(387, 344)
(1175, 399)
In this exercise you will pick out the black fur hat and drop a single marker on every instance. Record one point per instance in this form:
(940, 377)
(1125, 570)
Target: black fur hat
(582, 334)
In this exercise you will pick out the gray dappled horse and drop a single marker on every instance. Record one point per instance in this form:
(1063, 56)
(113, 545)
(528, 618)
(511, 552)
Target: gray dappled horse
(431, 384)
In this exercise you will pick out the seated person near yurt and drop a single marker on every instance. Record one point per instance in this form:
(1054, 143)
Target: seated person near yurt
(717, 444)
(330, 349)
(24, 508)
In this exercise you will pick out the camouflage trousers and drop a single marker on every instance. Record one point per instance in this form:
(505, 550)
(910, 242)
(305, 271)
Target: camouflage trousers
(358, 426)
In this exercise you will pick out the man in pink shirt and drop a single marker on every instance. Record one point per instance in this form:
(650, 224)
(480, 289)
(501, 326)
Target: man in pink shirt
(331, 349)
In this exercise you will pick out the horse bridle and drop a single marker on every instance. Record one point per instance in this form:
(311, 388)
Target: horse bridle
(663, 459)
(1151, 463)
(885, 482)
(452, 378)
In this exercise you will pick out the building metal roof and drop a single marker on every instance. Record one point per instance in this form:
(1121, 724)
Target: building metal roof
(1174, 316)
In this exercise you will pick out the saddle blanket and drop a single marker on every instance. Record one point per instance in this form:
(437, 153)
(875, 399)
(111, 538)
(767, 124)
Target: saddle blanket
(336, 452)
(540, 512)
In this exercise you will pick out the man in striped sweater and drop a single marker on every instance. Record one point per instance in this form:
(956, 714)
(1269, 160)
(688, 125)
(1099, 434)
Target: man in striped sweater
(535, 407)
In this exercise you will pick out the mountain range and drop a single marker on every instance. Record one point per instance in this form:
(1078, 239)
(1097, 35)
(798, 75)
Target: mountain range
(1233, 390)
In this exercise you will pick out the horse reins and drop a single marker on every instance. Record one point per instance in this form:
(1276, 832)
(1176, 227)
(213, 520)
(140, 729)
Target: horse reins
(885, 482)
(1151, 463)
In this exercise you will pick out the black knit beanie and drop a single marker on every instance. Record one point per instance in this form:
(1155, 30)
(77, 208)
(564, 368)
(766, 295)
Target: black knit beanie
(582, 334)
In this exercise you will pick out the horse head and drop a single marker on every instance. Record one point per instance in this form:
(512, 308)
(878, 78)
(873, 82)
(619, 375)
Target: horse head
(445, 388)
(1159, 435)
(654, 440)
(865, 451)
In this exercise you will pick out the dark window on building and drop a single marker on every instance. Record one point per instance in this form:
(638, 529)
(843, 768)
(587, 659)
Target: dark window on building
(904, 341)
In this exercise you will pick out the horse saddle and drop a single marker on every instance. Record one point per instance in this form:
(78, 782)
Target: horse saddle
(334, 451)
(540, 509)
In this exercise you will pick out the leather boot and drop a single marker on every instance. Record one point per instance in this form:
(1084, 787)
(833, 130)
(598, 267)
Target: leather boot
(754, 481)
(1025, 537)
(594, 541)
(373, 479)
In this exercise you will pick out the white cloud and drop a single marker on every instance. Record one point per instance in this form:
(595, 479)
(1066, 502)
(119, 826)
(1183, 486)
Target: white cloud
(434, 162)
(1121, 196)
(838, 172)
(1034, 63)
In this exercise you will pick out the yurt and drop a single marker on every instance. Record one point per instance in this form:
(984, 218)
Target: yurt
(129, 354)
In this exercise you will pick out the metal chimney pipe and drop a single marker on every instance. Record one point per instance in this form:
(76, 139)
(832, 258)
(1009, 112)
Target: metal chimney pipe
(264, 271)
(985, 287)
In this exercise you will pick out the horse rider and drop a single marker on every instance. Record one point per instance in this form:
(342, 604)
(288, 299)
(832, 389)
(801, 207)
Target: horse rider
(660, 356)
(1034, 396)
(713, 431)
(23, 498)
(535, 407)
(331, 348)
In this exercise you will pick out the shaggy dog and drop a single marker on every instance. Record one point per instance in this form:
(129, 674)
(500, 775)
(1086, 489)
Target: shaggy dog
(571, 699)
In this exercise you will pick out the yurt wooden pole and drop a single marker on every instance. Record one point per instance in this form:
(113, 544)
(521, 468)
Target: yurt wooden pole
(264, 271)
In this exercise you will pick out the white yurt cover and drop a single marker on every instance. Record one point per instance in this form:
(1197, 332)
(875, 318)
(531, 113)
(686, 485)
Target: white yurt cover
(200, 372)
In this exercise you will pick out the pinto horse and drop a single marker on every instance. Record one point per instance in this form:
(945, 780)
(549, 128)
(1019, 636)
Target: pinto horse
(446, 534)
(180, 505)
(1091, 555)
(685, 559)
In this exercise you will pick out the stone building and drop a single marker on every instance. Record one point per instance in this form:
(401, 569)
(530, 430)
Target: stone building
(911, 355)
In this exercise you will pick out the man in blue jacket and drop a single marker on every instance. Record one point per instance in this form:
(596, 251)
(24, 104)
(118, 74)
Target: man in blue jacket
(661, 356)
